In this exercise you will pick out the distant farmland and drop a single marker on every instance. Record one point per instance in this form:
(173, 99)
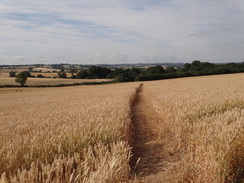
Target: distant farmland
(6, 80)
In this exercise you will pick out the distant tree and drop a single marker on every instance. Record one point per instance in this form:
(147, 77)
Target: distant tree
(186, 67)
(170, 69)
(197, 65)
(208, 65)
(115, 73)
(21, 78)
(12, 74)
(27, 73)
(148, 77)
(134, 72)
(30, 69)
(72, 71)
(158, 69)
(125, 77)
(83, 74)
(98, 72)
(57, 66)
(39, 65)
(40, 76)
(62, 75)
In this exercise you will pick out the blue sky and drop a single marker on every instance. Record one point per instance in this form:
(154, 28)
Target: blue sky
(121, 31)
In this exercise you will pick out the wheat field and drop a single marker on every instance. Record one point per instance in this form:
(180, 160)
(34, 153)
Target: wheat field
(82, 133)
(202, 123)
(72, 134)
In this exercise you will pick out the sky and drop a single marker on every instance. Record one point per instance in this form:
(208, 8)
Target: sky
(121, 31)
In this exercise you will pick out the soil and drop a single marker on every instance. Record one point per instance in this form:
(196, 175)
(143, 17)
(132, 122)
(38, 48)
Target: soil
(148, 148)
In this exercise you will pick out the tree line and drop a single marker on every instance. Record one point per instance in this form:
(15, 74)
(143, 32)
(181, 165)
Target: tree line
(196, 68)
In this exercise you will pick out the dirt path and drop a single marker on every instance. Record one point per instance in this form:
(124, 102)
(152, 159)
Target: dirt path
(148, 143)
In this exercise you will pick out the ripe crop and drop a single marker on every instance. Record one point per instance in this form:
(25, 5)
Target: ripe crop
(190, 129)
(72, 134)
(202, 124)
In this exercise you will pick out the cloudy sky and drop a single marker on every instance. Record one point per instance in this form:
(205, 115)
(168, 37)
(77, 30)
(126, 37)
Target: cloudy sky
(121, 31)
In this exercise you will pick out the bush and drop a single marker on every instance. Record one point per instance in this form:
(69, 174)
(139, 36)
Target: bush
(62, 75)
(27, 73)
(12, 74)
(83, 74)
(40, 76)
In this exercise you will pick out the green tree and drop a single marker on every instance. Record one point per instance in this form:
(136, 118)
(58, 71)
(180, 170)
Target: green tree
(21, 78)
(73, 71)
(98, 72)
(170, 69)
(197, 65)
(186, 67)
(40, 76)
(30, 69)
(83, 74)
(62, 75)
(158, 69)
(27, 73)
(134, 72)
(12, 74)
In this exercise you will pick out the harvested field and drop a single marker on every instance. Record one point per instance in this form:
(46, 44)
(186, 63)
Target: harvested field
(44, 69)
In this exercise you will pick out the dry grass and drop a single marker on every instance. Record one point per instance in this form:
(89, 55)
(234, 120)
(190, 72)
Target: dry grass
(6, 80)
(202, 120)
(73, 134)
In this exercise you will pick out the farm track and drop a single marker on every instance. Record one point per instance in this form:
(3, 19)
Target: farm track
(148, 160)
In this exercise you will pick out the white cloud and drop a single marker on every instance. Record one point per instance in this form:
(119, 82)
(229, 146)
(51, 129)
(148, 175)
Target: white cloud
(147, 31)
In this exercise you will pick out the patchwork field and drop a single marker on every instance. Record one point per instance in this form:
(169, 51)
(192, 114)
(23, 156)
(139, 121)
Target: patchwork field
(6, 80)
(17, 69)
(26, 68)
(178, 130)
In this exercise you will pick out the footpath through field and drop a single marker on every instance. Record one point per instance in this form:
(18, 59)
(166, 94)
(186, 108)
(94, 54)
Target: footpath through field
(149, 159)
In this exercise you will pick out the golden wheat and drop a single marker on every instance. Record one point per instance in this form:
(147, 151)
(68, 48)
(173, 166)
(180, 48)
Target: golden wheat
(73, 134)
(202, 120)
(80, 134)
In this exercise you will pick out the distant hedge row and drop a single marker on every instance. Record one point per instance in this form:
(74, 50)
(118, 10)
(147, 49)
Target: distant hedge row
(60, 85)
(196, 68)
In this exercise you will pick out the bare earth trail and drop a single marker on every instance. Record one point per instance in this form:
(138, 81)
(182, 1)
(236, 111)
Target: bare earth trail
(148, 144)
